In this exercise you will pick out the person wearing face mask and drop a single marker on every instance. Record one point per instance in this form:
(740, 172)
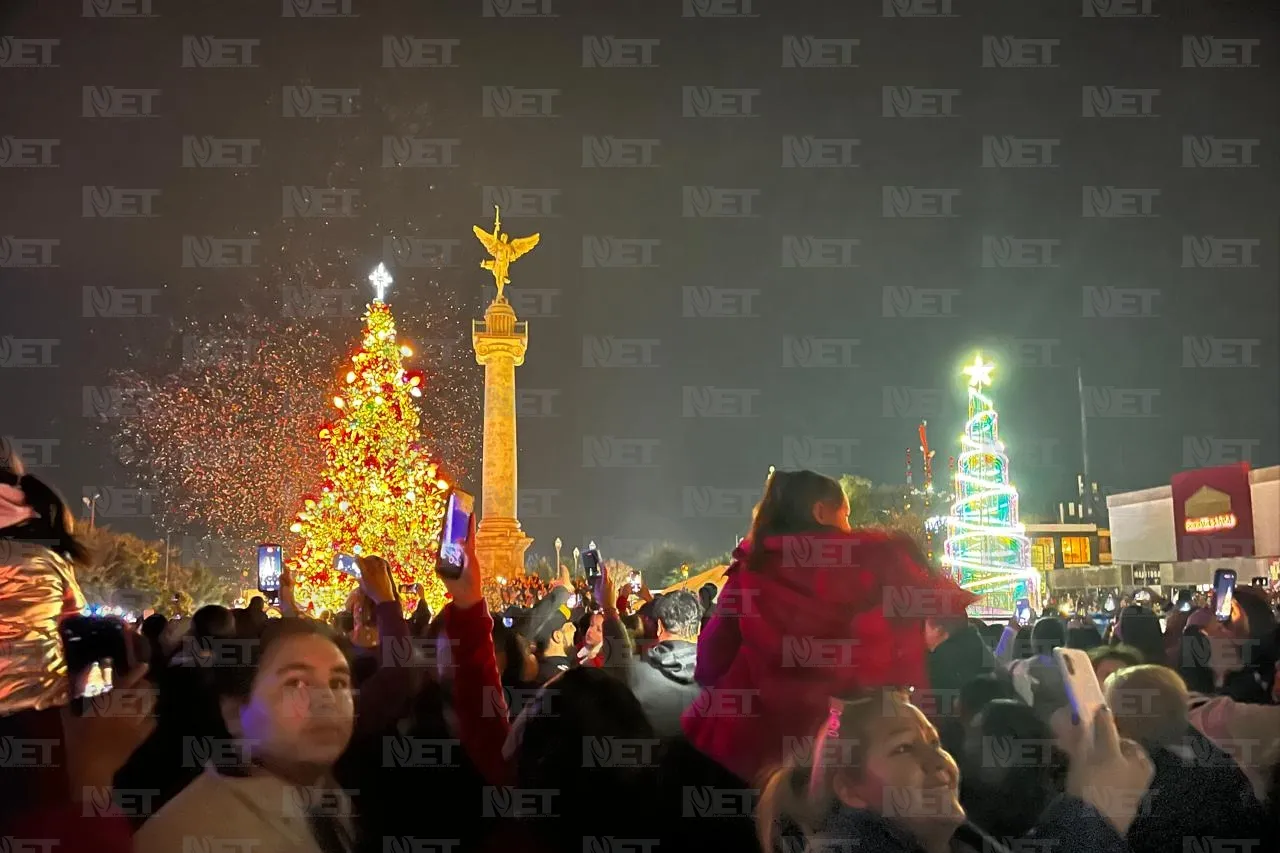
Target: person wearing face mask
(811, 609)
(290, 712)
(878, 779)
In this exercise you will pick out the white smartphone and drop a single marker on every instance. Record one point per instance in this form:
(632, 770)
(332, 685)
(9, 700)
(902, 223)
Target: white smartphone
(1082, 685)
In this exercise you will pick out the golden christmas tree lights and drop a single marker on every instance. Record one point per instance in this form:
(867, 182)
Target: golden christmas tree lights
(381, 493)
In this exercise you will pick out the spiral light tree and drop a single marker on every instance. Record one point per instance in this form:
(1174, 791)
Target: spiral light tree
(986, 549)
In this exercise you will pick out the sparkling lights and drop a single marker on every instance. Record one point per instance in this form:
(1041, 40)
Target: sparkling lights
(380, 492)
(987, 550)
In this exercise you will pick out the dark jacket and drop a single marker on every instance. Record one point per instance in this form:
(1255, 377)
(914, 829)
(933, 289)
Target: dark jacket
(956, 661)
(550, 667)
(662, 679)
(1199, 792)
(1069, 825)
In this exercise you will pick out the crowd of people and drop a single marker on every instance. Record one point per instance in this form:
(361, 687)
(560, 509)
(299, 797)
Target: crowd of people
(791, 710)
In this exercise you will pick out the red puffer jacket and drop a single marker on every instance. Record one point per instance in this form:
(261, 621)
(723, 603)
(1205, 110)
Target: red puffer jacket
(820, 615)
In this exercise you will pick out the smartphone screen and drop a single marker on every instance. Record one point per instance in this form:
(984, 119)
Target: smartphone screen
(591, 564)
(96, 652)
(1083, 689)
(347, 564)
(453, 534)
(1184, 600)
(1022, 610)
(1224, 588)
(270, 567)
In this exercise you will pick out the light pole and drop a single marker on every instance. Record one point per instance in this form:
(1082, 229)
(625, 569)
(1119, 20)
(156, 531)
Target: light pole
(576, 555)
(92, 504)
(556, 573)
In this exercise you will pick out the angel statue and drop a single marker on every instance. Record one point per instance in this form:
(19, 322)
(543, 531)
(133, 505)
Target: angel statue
(502, 250)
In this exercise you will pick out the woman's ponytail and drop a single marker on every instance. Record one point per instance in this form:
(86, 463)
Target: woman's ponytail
(787, 507)
(784, 809)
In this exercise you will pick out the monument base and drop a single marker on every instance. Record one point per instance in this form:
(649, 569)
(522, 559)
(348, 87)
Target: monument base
(500, 547)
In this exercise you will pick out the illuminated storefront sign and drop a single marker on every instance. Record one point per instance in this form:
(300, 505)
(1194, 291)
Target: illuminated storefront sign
(1213, 512)
(1211, 523)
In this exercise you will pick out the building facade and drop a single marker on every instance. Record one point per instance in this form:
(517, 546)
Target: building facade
(1203, 520)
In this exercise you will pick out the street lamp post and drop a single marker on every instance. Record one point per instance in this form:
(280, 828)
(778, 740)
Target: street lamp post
(576, 554)
(92, 504)
(556, 573)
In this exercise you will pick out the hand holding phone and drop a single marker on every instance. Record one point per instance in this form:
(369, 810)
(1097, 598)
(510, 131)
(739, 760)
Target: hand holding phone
(591, 565)
(1224, 589)
(459, 519)
(348, 565)
(1022, 611)
(1083, 689)
(1105, 770)
(465, 587)
(98, 656)
(270, 567)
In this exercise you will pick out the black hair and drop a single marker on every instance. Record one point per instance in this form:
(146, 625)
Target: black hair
(680, 613)
(1084, 637)
(951, 625)
(344, 622)
(237, 681)
(787, 507)
(707, 594)
(53, 525)
(1139, 627)
(1048, 634)
(213, 620)
(982, 690)
(1007, 797)
(1022, 643)
(1194, 653)
(1255, 681)
(573, 719)
(511, 646)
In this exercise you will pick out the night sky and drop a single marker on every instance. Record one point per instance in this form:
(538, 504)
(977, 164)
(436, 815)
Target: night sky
(772, 232)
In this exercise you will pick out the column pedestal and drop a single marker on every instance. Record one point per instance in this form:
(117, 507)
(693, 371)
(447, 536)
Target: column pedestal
(500, 343)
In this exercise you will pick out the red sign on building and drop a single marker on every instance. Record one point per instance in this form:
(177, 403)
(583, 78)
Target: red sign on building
(1213, 512)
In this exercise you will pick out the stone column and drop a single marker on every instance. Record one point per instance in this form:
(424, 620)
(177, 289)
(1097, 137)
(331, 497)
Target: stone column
(500, 343)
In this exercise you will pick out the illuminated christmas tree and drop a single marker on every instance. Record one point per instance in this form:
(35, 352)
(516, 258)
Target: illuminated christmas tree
(381, 493)
(986, 551)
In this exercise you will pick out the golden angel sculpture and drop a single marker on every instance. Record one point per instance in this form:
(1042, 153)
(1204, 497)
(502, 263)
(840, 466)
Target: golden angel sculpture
(502, 250)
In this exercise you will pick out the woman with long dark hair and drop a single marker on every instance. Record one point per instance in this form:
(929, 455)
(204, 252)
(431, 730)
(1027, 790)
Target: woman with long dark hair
(811, 609)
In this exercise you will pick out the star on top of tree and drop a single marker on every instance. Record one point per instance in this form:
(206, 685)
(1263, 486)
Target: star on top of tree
(979, 372)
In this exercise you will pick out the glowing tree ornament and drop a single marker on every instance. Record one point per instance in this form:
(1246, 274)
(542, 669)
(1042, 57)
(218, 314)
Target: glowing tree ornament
(986, 549)
(380, 492)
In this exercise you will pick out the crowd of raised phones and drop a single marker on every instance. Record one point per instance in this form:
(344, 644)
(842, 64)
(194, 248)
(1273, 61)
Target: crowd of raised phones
(790, 710)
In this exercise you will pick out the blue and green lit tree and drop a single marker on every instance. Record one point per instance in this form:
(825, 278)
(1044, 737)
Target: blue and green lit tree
(986, 549)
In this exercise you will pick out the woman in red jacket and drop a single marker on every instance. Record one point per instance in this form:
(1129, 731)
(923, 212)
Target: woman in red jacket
(811, 609)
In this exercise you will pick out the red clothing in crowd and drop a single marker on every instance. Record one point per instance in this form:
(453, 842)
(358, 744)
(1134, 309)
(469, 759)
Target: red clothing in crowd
(825, 614)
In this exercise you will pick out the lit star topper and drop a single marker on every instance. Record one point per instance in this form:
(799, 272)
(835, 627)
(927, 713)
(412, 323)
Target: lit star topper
(979, 372)
(381, 280)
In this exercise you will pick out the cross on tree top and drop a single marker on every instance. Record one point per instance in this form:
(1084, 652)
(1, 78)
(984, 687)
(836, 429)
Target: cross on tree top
(381, 280)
